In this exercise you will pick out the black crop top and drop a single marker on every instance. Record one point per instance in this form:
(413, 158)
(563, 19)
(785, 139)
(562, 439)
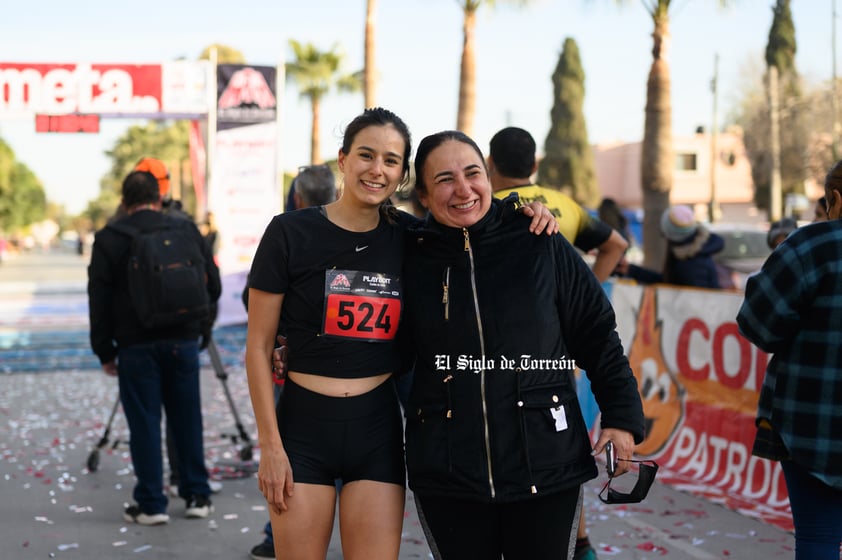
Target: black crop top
(342, 292)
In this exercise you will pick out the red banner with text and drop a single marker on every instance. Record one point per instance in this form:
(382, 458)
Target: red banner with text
(700, 380)
(170, 90)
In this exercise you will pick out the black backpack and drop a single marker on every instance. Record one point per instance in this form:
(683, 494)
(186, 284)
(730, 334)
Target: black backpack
(166, 274)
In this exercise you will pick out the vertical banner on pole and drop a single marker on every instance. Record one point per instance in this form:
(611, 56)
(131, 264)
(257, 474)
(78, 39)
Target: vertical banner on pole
(243, 191)
(198, 164)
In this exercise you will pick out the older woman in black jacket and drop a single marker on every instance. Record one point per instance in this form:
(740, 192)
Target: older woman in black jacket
(497, 321)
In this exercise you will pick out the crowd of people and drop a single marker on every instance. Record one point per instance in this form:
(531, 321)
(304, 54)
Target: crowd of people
(400, 337)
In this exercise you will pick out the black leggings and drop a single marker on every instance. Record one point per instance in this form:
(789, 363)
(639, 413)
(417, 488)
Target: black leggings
(347, 438)
(533, 529)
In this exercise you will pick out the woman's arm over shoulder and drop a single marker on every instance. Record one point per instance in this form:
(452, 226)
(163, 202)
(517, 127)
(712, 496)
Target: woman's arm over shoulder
(407, 220)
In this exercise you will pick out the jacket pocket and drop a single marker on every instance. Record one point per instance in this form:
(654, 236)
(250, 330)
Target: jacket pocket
(551, 427)
(428, 441)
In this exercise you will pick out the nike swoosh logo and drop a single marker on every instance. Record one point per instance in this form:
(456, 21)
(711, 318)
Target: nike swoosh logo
(363, 248)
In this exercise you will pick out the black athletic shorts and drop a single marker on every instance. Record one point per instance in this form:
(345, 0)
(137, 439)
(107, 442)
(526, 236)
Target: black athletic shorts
(347, 438)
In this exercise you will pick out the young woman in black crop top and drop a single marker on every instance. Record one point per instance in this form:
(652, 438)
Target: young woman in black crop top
(331, 275)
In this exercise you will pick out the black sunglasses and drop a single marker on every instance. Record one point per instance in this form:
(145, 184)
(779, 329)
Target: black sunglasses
(645, 479)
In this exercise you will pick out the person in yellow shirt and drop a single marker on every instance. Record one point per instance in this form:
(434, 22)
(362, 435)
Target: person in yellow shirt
(511, 163)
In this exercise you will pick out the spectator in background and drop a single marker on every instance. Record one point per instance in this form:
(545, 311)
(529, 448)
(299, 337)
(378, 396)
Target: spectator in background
(511, 163)
(820, 212)
(612, 215)
(290, 203)
(161, 173)
(315, 185)
(793, 310)
(156, 367)
(173, 208)
(690, 249)
(210, 233)
(159, 170)
(779, 231)
(413, 205)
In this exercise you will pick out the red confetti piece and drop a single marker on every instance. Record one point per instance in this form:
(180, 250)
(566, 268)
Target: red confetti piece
(649, 546)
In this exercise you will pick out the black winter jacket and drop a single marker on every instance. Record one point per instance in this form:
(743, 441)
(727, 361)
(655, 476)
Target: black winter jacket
(114, 322)
(490, 430)
(690, 263)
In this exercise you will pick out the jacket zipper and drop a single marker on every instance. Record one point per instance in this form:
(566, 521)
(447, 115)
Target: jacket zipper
(482, 373)
(445, 287)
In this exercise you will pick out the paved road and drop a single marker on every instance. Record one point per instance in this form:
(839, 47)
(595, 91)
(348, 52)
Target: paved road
(53, 507)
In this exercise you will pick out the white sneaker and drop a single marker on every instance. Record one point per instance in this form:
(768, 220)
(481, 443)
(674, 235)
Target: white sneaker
(215, 488)
(133, 514)
(198, 507)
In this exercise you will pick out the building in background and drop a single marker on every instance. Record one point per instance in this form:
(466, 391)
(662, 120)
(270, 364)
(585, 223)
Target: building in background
(618, 172)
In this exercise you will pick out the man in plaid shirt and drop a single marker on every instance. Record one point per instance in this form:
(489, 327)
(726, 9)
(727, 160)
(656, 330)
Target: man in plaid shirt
(793, 309)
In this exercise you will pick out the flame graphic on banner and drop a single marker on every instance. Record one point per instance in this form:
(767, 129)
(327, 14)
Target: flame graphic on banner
(662, 395)
(247, 87)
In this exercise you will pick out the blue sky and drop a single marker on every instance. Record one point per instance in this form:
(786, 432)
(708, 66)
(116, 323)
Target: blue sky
(418, 48)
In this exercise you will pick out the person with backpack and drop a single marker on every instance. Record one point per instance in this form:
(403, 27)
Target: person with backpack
(173, 207)
(151, 283)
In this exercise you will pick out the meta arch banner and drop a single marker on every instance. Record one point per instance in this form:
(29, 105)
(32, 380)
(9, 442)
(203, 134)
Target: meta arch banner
(177, 89)
(237, 104)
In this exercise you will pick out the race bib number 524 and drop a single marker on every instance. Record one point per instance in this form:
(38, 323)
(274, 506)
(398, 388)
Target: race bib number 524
(361, 305)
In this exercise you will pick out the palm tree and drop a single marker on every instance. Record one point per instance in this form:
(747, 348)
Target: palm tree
(316, 74)
(369, 67)
(224, 54)
(468, 65)
(657, 163)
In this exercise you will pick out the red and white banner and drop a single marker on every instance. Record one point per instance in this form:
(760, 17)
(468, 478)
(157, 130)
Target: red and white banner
(243, 192)
(170, 90)
(198, 163)
(699, 380)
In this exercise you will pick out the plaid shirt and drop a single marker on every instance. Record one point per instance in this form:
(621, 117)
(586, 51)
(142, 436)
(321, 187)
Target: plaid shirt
(793, 309)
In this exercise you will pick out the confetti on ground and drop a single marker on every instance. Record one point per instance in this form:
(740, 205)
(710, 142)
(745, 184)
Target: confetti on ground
(48, 434)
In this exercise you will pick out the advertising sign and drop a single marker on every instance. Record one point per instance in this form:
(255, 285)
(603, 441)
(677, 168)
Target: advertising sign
(171, 90)
(243, 193)
(700, 381)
